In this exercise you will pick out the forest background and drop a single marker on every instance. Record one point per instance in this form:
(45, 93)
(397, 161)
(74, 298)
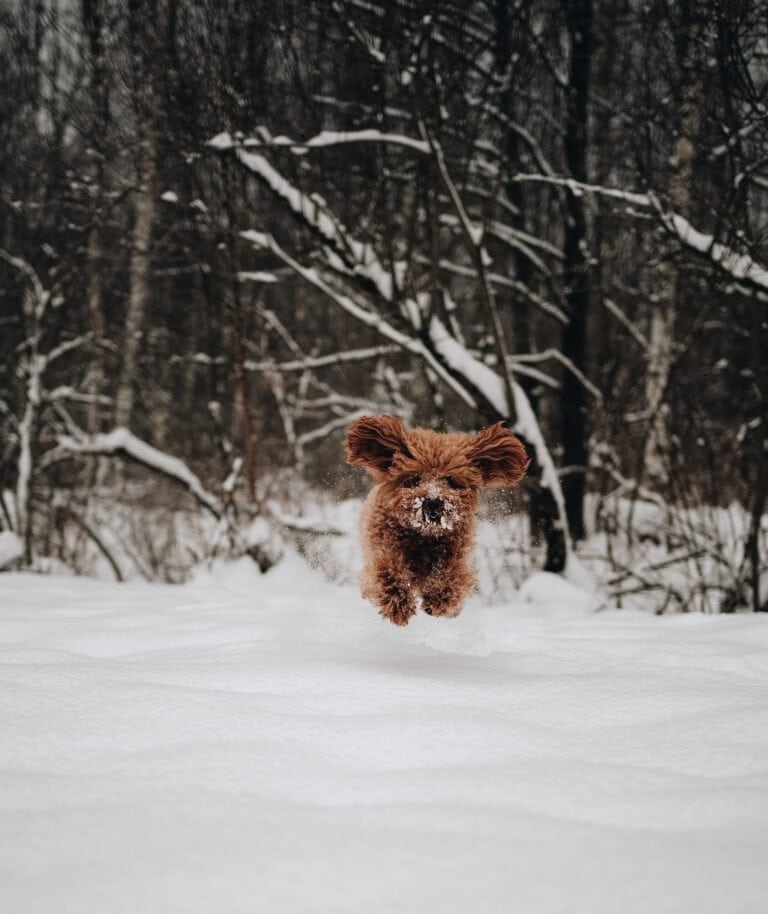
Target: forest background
(228, 228)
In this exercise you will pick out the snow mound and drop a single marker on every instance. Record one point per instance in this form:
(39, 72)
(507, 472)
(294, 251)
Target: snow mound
(265, 742)
(552, 594)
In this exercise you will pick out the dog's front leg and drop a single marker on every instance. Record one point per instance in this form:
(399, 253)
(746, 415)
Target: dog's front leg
(391, 593)
(444, 595)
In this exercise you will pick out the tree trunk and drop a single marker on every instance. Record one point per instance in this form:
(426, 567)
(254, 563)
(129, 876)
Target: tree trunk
(138, 295)
(148, 58)
(754, 546)
(543, 514)
(93, 22)
(661, 337)
(95, 298)
(578, 14)
(33, 309)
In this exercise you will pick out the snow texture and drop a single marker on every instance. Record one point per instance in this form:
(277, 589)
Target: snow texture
(249, 743)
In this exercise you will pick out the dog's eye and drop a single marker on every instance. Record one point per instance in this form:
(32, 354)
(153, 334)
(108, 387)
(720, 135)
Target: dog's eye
(410, 482)
(453, 483)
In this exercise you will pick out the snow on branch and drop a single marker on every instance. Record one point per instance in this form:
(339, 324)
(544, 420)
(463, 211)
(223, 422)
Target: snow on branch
(485, 379)
(322, 361)
(616, 311)
(311, 209)
(41, 294)
(256, 276)
(508, 237)
(462, 371)
(322, 432)
(364, 315)
(535, 374)
(506, 282)
(67, 346)
(315, 526)
(455, 357)
(456, 366)
(482, 377)
(741, 267)
(565, 362)
(579, 188)
(524, 240)
(121, 441)
(358, 258)
(66, 392)
(323, 139)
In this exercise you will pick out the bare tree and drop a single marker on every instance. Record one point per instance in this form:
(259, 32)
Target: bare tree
(148, 41)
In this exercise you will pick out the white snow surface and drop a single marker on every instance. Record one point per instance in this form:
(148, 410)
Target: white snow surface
(267, 743)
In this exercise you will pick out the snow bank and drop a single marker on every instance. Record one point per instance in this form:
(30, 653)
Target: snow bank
(267, 743)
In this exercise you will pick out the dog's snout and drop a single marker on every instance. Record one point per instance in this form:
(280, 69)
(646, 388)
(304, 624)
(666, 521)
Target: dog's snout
(432, 508)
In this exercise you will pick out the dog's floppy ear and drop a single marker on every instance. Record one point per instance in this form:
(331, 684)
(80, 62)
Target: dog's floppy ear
(499, 456)
(373, 441)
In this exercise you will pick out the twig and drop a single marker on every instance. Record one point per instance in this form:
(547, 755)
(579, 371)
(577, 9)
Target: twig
(96, 539)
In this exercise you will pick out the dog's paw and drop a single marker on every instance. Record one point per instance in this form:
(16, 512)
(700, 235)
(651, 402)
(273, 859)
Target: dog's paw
(446, 611)
(398, 616)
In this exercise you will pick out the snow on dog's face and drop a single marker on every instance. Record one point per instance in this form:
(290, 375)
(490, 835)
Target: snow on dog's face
(430, 481)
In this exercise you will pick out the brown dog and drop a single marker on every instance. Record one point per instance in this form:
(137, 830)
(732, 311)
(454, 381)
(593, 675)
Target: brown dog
(418, 522)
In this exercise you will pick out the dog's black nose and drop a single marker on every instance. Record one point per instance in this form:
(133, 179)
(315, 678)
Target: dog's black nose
(432, 509)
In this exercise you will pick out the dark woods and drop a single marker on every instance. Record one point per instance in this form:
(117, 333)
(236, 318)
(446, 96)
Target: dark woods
(228, 228)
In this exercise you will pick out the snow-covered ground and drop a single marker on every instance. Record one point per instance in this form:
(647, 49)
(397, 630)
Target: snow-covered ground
(268, 744)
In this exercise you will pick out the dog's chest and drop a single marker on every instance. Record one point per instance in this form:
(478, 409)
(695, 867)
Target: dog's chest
(425, 557)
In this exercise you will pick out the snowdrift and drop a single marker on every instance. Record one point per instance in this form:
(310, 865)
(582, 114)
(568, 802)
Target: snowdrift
(266, 743)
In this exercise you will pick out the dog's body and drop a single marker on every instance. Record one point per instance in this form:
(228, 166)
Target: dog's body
(418, 522)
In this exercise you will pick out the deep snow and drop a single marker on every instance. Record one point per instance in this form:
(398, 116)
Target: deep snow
(268, 744)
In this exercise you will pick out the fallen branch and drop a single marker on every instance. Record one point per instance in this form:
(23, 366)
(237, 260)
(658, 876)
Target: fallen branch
(121, 441)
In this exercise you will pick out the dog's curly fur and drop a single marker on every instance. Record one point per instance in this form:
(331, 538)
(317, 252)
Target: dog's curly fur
(418, 522)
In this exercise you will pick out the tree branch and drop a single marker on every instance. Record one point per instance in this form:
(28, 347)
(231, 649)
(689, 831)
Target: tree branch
(121, 441)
